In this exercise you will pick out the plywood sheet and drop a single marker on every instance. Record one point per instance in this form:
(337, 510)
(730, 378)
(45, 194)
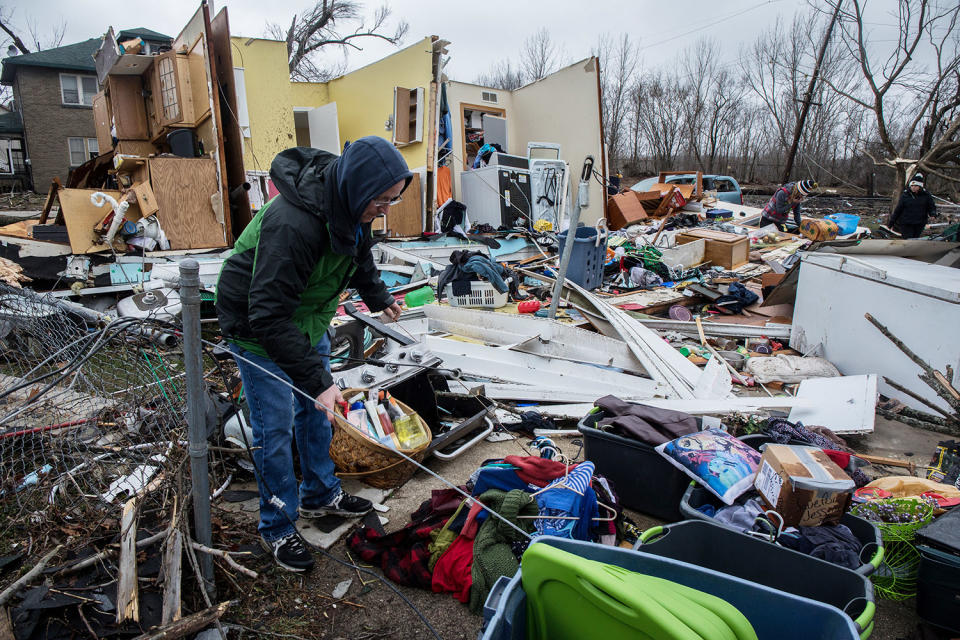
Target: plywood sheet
(101, 120)
(406, 219)
(80, 215)
(135, 148)
(183, 187)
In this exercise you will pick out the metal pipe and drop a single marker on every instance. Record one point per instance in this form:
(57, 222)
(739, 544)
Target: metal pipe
(583, 199)
(196, 423)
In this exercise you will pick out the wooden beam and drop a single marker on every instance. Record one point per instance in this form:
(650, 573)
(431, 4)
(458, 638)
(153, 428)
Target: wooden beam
(128, 607)
(48, 203)
(171, 578)
(890, 462)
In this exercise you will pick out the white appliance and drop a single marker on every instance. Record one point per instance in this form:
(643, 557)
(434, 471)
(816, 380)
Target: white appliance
(497, 195)
(918, 302)
(549, 186)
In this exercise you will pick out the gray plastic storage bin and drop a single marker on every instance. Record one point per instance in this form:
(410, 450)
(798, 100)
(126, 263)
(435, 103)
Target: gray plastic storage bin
(586, 262)
(712, 546)
(871, 555)
(774, 615)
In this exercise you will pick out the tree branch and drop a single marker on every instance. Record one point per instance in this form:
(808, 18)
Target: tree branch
(16, 39)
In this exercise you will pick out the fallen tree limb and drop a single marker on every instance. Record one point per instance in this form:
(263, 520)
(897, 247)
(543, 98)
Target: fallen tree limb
(929, 375)
(919, 424)
(28, 576)
(220, 553)
(190, 624)
(919, 398)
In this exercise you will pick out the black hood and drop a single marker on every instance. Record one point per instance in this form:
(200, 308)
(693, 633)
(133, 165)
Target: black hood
(338, 189)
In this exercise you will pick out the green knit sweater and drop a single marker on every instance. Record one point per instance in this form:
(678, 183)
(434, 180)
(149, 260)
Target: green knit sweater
(492, 556)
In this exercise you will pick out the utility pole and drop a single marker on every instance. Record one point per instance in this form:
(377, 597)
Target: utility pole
(809, 95)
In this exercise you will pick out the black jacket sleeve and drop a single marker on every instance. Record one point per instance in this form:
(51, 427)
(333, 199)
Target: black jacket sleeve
(931, 206)
(366, 280)
(285, 260)
(897, 210)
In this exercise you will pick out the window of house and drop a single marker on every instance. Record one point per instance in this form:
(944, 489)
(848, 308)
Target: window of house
(82, 149)
(77, 90)
(6, 156)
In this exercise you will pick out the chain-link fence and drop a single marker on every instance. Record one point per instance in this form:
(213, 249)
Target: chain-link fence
(89, 417)
(86, 417)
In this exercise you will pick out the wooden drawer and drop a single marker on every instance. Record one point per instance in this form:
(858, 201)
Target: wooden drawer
(727, 250)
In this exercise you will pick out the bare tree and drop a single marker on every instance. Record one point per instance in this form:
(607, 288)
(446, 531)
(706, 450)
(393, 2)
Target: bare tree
(619, 60)
(911, 89)
(539, 57)
(327, 24)
(502, 75)
(657, 110)
(9, 27)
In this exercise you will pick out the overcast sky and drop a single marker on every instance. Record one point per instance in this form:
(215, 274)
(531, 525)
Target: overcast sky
(480, 32)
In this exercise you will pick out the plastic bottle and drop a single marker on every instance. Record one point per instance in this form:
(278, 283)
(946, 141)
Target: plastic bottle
(419, 297)
(410, 432)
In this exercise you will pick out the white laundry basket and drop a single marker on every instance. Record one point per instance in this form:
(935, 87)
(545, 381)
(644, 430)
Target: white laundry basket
(482, 295)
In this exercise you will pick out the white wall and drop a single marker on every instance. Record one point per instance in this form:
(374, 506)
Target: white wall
(562, 108)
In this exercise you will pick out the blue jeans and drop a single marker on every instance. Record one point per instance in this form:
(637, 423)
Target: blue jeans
(277, 415)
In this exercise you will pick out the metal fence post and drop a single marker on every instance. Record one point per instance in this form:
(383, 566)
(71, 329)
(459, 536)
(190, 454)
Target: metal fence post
(190, 299)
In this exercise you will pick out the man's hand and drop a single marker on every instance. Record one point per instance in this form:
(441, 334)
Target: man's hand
(329, 399)
(392, 312)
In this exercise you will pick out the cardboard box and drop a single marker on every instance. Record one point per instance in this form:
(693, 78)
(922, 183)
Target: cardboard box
(803, 485)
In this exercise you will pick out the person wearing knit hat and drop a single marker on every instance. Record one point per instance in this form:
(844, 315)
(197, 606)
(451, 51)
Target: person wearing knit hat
(786, 199)
(913, 209)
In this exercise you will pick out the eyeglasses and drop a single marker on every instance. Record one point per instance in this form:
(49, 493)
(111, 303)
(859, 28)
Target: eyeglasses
(380, 204)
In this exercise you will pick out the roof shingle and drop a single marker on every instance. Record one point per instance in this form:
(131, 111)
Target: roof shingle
(75, 57)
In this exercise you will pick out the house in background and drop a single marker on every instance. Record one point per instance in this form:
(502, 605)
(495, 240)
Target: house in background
(53, 93)
(400, 98)
(13, 168)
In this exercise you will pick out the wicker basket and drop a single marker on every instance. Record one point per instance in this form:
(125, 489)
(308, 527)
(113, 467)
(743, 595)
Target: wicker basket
(357, 456)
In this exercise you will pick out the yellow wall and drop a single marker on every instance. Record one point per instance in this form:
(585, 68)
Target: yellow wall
(365, 97)
(267, 80)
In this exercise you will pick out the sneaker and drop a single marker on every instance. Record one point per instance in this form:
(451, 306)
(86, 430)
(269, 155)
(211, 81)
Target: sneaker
(291, 554)
(343, 504)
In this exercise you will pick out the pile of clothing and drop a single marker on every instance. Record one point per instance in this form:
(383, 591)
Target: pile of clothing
(453, 545)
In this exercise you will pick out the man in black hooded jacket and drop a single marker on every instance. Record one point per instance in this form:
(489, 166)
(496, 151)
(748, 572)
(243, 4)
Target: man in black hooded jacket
(276, 295)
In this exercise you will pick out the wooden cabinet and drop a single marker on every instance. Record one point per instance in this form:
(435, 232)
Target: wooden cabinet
(172, 90)
(407, 115)
(128, 107)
